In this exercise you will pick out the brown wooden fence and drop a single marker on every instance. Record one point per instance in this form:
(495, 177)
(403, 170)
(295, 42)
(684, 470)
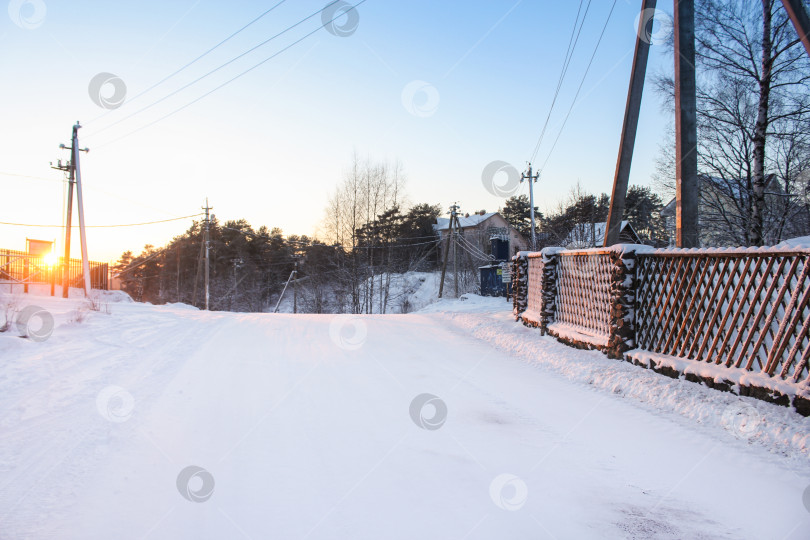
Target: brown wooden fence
(18, 267)
(746, 311)
(740, 309)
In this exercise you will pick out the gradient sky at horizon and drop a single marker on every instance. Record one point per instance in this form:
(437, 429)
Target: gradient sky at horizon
(271, 146)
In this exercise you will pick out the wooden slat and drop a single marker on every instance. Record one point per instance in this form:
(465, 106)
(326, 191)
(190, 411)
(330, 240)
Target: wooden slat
(662, 322)
(719, 307)
(716, 266)
(774, 310)
(681, 304)
(800, 337)
(803, 362)
(782, 336)
(743, 299)
(750, 311)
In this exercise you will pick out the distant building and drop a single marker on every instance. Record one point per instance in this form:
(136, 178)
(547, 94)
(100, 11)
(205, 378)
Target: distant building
(590, 235)
(483, 234)
(722, 213)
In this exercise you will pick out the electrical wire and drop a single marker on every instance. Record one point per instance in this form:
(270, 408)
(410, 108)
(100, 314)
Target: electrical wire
(133, 266)
(176, 72)
(31, 177)
(328, 245)
(590, 62)
(479, 251)
(472, 253)
(473, 248)
(229, 62)
(569, 54)
(399, 245)
(104, 226)
(229, 80)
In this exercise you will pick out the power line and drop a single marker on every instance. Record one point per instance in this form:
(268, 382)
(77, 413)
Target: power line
(103, 226)
(399, 245)
(287, 240)
(232, 60)
(569, 54)
(472, 246)
(31, 177)
(232, 79)
(91, 187)
(579, 88)
(133, 266)
(473, 250)
(164, 79)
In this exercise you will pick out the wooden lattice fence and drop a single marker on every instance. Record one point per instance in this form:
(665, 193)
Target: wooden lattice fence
(742, 313)
(583, 293)
(737, 309)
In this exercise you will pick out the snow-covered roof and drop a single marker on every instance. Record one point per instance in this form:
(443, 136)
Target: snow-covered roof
(442, 224)
(801, 242)
(584, 234)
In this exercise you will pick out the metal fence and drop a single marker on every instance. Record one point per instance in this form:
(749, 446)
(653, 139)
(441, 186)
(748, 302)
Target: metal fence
(21, 268)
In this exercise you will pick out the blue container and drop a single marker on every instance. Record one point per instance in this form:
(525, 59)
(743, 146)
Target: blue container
(492, 283)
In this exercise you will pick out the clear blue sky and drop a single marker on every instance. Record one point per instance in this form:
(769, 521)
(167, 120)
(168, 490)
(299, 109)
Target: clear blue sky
(271, 146)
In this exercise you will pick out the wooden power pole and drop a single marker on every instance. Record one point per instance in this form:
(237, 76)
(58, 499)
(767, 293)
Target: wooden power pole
(798, 14)
(453, 219)
(686, 190)
(295, 288)
(621, 177)
(207, 259)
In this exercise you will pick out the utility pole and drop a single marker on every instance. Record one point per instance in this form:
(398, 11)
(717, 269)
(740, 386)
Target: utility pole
(798, 14)
(177, 282)
(531, 179)
(453, 218)
(77, 171)
(686, 188)
(630, 126)
(207, 260)
(197, 275)
(74, 179)
(455, 266)
(68, 220)
(295, 288)
(275, 310)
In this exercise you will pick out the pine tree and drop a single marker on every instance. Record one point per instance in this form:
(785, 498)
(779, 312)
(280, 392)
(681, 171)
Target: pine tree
(517, 213)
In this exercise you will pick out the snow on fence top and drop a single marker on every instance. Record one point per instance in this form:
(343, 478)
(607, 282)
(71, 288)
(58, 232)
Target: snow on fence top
(743, 309)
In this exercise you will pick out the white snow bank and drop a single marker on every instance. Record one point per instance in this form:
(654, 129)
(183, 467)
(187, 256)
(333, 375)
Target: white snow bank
(735, 377)
(775, 429)
(308, 426)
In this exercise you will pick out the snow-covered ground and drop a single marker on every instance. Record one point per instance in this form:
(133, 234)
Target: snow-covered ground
(454, 422)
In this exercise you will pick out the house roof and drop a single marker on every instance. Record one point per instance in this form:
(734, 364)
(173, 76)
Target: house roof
(583, 234)
(442, 224)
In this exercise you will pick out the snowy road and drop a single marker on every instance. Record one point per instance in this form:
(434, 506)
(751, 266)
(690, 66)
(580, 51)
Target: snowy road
(302, 428)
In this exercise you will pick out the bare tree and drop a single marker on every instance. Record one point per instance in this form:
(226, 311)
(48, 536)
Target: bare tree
(753, 110)
(368, 190)
(756, 76)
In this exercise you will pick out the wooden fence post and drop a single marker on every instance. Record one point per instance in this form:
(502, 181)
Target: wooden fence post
(520, 284)
(549, 295)
(622, 303)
